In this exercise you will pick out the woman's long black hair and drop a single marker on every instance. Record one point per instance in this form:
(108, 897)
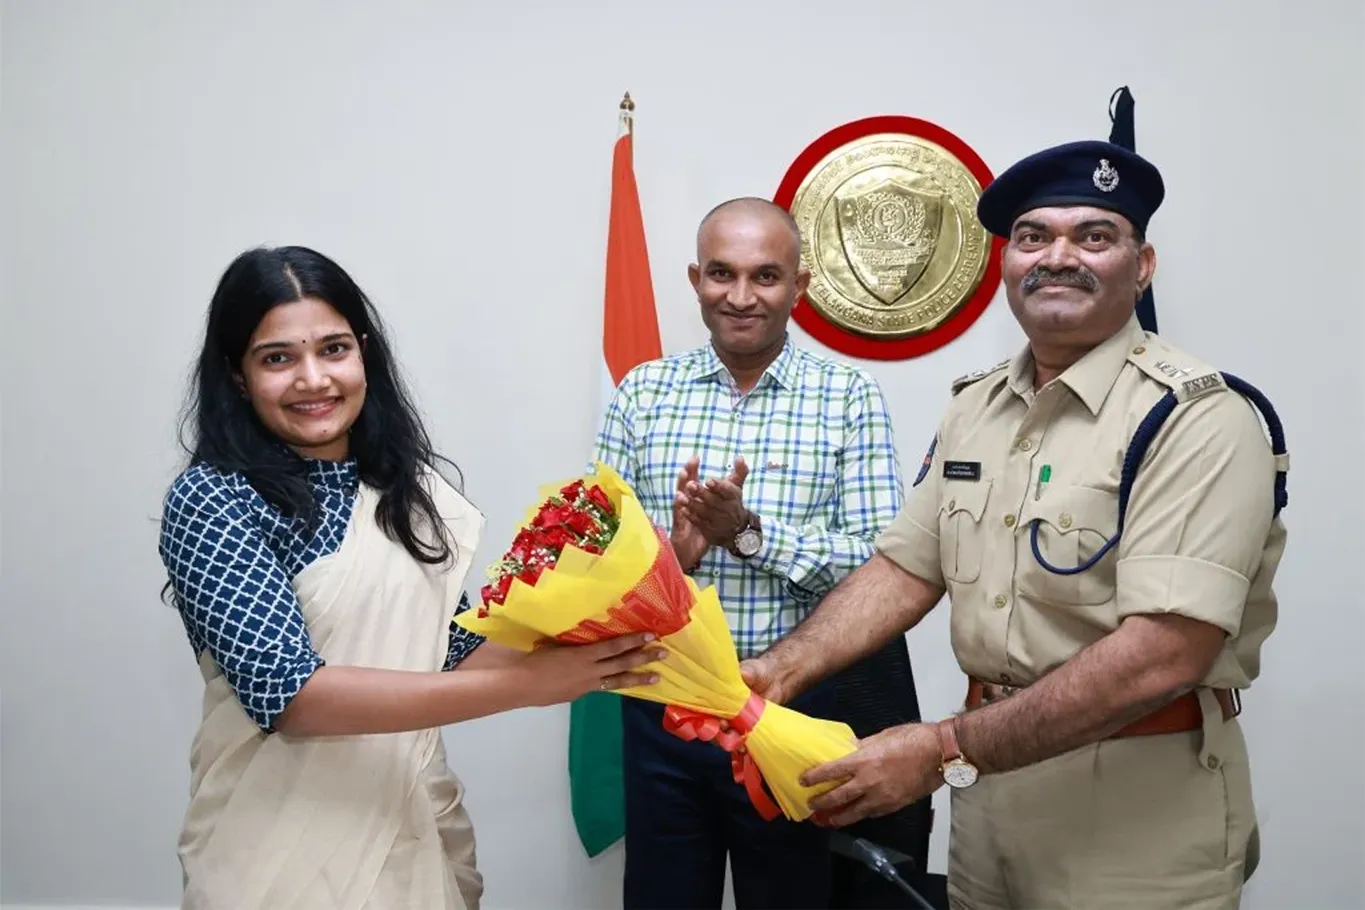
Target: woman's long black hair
(388, 441)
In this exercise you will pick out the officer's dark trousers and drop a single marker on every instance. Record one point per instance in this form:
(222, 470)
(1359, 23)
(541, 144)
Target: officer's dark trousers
(684, 813)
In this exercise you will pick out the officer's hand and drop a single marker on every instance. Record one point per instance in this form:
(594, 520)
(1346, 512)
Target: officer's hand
(761, 675)
(890, 770)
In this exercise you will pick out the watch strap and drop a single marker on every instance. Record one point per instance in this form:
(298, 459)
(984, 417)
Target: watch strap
(947, 740)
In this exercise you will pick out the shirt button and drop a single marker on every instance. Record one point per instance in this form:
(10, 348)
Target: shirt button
(1009, 521)
(1025, 445)
(1139, 349)
(1005, 679)
(1213, 762)
(1000, 601)
(1064, 520)
(952, 504)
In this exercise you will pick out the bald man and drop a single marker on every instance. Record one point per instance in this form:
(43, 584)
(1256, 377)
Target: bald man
(776, 471)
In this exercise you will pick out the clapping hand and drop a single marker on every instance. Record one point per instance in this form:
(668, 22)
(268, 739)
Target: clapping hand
(716, 507)
(689, 543)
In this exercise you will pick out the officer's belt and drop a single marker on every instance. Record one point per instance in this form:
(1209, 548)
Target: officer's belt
(1178, 716)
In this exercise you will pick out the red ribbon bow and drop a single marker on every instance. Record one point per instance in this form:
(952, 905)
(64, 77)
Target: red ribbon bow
(731, 736)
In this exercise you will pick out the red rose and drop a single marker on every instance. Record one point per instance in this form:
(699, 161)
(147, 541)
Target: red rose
(581, 523)
(556, 538)
(529, 575)
(552, 515)
(592, 548)
(572, 491)
(599, 499)
(495, 593)
(522, 545)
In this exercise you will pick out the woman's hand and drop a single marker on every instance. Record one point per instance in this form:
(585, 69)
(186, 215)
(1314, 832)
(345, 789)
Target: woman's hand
(562, 673)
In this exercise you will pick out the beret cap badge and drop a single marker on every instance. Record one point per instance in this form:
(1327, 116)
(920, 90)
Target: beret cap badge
(1106, 178)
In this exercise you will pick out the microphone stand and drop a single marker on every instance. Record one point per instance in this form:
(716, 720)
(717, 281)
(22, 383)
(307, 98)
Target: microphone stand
(872, 856)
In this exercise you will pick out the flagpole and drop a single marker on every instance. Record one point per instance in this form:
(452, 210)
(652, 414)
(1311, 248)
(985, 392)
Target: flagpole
(630, 336)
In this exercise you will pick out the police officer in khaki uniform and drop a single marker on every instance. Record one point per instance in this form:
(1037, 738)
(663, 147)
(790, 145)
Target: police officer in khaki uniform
(1109, 570)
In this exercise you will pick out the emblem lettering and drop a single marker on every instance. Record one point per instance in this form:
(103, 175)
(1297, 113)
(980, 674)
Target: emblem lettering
(1202, 384)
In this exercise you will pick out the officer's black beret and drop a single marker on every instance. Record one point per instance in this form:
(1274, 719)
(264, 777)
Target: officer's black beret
(1099, 174)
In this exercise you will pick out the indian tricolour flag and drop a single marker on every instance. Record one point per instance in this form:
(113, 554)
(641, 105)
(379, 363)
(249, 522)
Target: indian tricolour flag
(630, 336)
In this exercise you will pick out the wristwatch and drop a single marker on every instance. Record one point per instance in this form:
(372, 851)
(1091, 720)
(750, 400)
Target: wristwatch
(749, 540)
(958, 773)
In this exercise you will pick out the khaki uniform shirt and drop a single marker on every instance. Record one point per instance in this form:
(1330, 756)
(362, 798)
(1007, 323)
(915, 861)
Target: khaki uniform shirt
(1198, 538)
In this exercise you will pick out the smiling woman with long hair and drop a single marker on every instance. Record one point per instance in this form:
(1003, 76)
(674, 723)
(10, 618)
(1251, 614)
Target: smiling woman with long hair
(317, 555)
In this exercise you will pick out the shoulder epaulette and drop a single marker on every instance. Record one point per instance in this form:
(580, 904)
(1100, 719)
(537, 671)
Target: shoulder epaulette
(1176, 370)
(962, 382)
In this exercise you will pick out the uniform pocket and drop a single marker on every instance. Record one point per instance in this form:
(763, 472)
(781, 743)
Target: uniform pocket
(959, 529)
(1074, 523)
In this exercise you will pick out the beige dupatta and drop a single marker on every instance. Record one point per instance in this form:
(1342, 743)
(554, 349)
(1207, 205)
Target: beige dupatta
(347, 822)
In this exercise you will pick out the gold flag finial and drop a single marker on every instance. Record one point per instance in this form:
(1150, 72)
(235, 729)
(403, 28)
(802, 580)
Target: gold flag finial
(627, 104)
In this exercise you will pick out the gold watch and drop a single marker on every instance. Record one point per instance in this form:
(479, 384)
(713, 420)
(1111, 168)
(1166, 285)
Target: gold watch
(957, 772)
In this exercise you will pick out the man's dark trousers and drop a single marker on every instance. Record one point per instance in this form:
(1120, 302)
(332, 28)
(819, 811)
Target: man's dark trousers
(685, 813)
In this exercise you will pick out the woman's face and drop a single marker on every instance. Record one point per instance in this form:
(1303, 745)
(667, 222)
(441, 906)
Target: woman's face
(305, 377)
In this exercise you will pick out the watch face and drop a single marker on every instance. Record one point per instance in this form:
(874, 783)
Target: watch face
(959, 774)
(748, 542)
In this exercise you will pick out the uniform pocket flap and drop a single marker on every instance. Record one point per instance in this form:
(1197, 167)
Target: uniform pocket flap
(1068, 510)
(965, 496)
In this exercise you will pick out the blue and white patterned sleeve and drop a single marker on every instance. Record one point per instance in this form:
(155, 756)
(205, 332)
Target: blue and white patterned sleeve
(462, 641)
(234, 596)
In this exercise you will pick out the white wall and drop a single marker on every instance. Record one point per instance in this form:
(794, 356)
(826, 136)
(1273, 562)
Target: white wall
(456, 158)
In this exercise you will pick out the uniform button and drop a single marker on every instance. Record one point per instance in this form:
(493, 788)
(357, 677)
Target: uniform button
(1213, 763)
(1025, 445)
(999, 601)
(952, 503)
(1064, 520)
(1139, 350)
(1009, 521)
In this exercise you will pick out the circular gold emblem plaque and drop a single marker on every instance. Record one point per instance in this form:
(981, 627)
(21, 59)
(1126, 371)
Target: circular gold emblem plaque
(899, 262)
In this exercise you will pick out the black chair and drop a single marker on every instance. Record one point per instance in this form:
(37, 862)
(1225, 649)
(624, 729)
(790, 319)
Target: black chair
(876, 693)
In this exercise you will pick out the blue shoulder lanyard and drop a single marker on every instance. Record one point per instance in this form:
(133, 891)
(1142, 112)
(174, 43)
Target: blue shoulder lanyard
(1137, 449)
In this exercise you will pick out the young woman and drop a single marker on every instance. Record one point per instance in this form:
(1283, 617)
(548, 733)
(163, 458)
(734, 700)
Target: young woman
(317, 558)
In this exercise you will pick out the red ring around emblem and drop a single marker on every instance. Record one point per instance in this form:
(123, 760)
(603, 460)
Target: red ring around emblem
(809, 318)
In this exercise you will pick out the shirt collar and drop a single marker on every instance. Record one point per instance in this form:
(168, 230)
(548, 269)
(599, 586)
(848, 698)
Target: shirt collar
(335, 474)
(781, 371)
(1091, 377)
(341, 475)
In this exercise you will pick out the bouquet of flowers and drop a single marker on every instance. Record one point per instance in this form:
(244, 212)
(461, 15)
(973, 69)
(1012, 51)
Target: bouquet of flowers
(588, 565)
